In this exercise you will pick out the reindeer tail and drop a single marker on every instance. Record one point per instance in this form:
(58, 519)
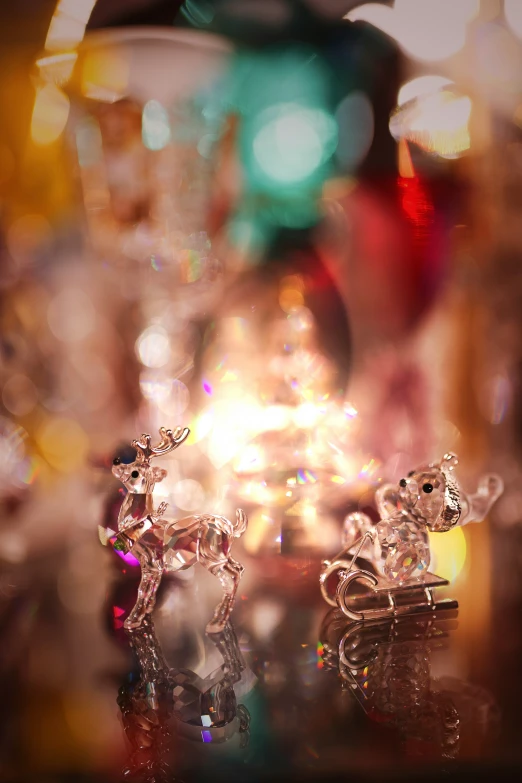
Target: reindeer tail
(241, 523)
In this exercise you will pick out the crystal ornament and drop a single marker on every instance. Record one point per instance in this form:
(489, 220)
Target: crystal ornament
(429, 498)
(405, 549)
(181, 544)
(392, 556)
(162, 545)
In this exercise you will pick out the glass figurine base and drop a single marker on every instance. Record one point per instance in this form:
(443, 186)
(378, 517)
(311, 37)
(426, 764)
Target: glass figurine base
(364, 595)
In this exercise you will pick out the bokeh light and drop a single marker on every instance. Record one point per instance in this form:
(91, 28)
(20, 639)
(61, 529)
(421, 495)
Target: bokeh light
(188, 495)
(68, 23)
(236, 253)
(354, 116)
(155, 126)
(513, 14)
(428, 30)
(287, 138)
(104, 75)
(57, 68)
(153, 347)
(71, 315)
(437, 122)
(156, 388)
(176, 403)
(292, 142)
(63, 443)
(448, 553)
(19, 395)
(421, 85)
(27, 235)
(50, 114)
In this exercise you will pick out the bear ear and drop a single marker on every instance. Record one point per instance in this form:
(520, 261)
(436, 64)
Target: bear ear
(452, 505)
(449, 461)
(387, 500)
(158, 474)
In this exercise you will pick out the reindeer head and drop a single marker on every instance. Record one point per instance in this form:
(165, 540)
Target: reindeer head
(139, 477)
(432, 495)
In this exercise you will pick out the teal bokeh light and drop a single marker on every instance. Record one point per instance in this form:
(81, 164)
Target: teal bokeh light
(292, 143)
(199, 13)
(287, 130)
(155, 126)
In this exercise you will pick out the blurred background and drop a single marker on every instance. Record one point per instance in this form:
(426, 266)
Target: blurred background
(292, 226)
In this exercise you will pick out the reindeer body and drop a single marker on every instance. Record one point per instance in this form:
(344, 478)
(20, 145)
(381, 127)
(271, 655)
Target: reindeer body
(161, 545)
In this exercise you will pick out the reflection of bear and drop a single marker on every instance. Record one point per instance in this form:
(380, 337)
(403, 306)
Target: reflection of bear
(387, 666)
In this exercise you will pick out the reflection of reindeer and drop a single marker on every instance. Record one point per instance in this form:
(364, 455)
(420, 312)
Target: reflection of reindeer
(204, 708)
(160, 545)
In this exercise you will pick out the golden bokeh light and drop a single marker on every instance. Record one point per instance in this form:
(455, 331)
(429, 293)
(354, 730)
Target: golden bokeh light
(57, 68)
(63, 443)
(437, 122)
(420, 86)
(448, 553)
(104, 75)
(50, 114)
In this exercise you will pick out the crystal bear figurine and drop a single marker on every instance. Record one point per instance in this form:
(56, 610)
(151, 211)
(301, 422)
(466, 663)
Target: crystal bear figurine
(392, 557)
(428, 499)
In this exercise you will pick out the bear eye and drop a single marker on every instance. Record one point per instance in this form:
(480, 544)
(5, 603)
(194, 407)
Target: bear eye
(135, 474)
(116, 461)
(411, 473)
(402, 483)
(427, 488)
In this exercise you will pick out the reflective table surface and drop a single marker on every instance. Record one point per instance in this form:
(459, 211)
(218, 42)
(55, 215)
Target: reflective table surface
(289, 690)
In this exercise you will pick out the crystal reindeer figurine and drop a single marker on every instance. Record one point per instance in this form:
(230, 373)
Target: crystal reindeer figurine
(161, 545)
(396, 550)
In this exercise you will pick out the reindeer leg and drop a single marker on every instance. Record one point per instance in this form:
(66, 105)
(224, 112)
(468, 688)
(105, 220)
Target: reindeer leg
(151, 573)
(229, 574)
(227, 644)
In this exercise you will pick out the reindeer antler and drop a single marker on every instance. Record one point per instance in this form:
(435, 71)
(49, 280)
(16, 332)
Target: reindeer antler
(169, 441)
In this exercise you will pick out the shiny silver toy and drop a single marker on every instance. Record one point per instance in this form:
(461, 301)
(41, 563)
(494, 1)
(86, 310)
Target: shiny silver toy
(392, 556)
(164, 545)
